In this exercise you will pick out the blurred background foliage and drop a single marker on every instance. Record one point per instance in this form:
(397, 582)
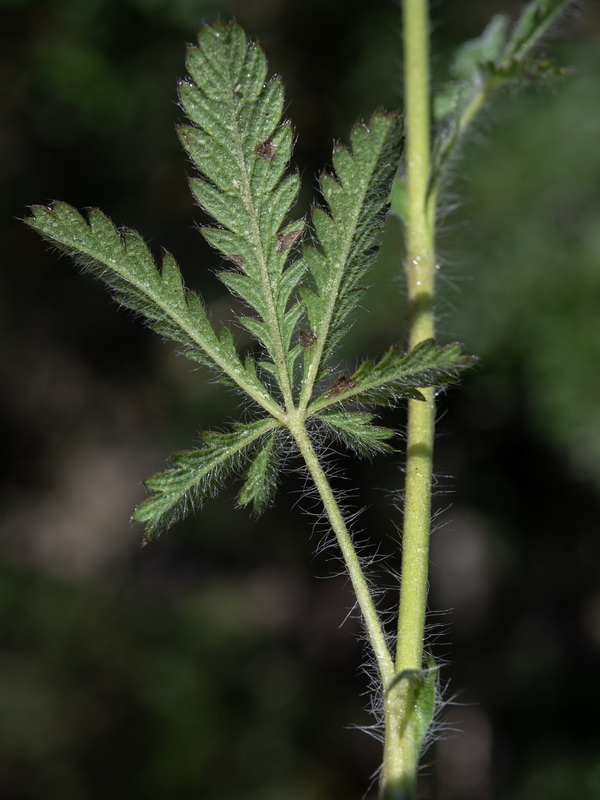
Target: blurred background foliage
(213, 664)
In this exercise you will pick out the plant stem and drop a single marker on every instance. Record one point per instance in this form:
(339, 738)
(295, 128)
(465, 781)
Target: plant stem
(363, 594)
(401, 742)
(420, 270)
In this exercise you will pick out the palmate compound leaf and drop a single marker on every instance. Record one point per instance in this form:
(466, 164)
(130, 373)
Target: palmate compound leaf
(199, 474)
(242, 150)
(398, 376)
(347, 234)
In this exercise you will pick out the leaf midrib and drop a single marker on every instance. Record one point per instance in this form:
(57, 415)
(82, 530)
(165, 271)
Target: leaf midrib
(325, 327)
(273, 320)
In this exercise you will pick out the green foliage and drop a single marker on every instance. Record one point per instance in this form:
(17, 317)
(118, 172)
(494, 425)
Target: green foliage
(357, 196)
(300, 286)
(398, 375)
(356, 431)
(198, 474)
(261, 475)
(535, 20)
(541, 277)
(501, 56)
(242, 151)
(125, 263)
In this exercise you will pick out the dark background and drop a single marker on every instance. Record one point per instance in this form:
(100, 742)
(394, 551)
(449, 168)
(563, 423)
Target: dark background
(218, 662)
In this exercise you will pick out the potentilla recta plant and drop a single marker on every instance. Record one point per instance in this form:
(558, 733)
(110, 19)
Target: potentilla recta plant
(300, 285)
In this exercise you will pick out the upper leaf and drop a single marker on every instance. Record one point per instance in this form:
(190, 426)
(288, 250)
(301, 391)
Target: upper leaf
(242, 151)
(500, 56)
(197, 475)
(535, 20)
(348, 233)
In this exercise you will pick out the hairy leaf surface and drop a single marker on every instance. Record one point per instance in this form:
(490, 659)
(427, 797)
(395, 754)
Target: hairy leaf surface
(357, 432)
(197, 475)
(242, 150)
(398, 376)
(123, 261)
(348, 233)
(260, 475)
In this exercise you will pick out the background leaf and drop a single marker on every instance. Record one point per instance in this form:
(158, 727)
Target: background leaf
(534, 22)
(499, 57)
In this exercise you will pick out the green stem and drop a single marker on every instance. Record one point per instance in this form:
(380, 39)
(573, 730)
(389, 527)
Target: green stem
(363, 594)
(401, 741)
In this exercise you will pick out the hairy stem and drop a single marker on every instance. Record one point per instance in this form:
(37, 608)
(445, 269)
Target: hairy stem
(401, 747)
(363, 594)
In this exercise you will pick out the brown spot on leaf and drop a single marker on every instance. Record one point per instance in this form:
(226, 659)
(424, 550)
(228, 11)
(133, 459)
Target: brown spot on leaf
(266, 150)
(237, 260)
(287, 240)
(307, 339)
(342, 384)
